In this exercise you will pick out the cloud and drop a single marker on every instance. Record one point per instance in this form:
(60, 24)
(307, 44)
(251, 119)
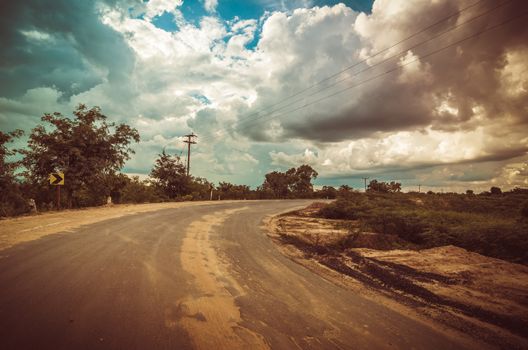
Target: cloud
(444, 90)
(158, 7)
(407, 151)
(462, 105)
(210, 5)
(284, 160)
(456, 117)
(62, 44)
(285, 5)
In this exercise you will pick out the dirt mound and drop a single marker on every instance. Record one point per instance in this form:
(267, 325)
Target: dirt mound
(309, 211)
(333, 234)
(472, 293)
(482, 281)
(377, 241)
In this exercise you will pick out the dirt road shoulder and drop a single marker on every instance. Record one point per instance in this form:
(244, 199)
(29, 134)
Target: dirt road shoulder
(28, 228)
(461, 293)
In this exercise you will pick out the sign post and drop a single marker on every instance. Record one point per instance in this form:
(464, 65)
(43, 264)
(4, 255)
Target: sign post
(57, 179)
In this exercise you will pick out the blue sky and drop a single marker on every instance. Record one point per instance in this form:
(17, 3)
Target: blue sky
(255, 8)
(226, 70)
(194, 10)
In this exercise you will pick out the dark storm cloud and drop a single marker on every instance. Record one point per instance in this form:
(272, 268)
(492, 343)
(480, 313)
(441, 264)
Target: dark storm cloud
(466, 77)
(59, 43)
(371, 114)
(406, 170)
(498, 155)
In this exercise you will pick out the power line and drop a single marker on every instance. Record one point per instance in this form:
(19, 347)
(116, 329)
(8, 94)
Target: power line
(474, 35)
(181, 151)
(247, 123)
(247, 119)
(370, 56)
(374, 65)
(393, 69)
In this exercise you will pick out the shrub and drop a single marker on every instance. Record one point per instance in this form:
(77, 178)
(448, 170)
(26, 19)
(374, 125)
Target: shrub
(346, 208)
(483, 224)
(495, 191)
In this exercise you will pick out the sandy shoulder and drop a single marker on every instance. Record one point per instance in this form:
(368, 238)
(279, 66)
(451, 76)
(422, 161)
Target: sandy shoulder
(476, 299)
(28, 228)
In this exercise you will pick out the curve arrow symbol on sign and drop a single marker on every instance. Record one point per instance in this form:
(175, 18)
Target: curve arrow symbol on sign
(56, 179)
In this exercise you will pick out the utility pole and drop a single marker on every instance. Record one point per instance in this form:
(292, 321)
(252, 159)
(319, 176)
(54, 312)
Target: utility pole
(365, 179)
(419, 187)
(190, 141)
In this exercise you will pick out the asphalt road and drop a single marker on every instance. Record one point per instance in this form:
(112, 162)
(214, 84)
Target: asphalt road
(192, 277)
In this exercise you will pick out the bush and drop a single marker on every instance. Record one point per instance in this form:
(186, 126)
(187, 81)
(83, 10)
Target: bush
(407, 225)
(13, 203)
(483, 224)
(350, 207)
(136, 191)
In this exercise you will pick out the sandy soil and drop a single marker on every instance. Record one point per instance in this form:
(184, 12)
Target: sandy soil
(28, 228)
(484, 297)
(491, 284)
(215, 300)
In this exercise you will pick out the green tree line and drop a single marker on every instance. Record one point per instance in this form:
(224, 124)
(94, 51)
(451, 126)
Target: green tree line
(91, 151)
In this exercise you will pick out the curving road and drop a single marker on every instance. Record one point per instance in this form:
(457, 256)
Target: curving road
(193, 277)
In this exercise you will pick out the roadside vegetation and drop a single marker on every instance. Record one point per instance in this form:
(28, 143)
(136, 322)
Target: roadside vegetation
(493, 223)
(91, 152)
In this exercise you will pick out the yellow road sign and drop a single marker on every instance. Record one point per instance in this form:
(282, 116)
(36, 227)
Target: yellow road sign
(56, 179)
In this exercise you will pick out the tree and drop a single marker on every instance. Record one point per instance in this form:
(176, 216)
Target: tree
(277, 183)
(394, 187)
(229, 191)
(7, 168)
(224, 190)
(85, 147)
(470, 192)
(327, 192)
(169, 175)
(136, 191)
(11, 201)
(201, 188)
(495, 191)
(113, 184)
(384, 187)
(375, 186)
(301, 180)
(344, 190)
(296, 180)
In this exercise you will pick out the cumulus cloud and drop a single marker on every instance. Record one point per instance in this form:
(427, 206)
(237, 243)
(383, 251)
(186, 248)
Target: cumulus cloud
(461, 105)
(158, 7)
(408, 150)
(444, 90)
(68, 47)
(456, 116)
(210, 5)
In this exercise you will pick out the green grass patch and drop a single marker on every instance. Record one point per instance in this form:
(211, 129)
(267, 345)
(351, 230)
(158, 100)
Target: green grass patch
(495, 226)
